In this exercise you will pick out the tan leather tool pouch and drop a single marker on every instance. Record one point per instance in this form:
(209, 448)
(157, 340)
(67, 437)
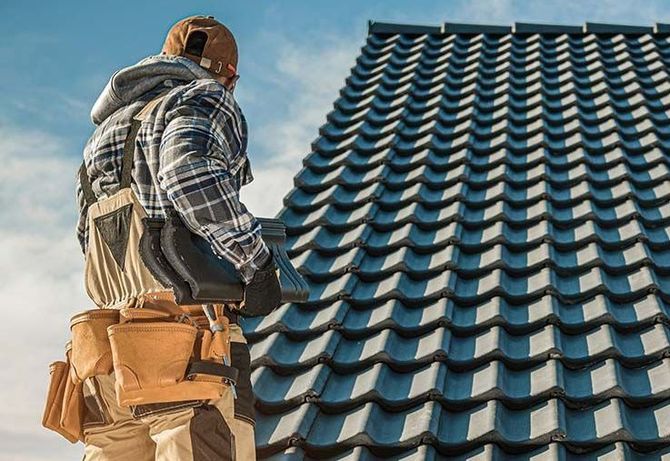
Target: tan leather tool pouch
(87, 354)
(53, 409)
(151, 354)
(63, 409)
(91, 351)
(215, 348)
(72, 413)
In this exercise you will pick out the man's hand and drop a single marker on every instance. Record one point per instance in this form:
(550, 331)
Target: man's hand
(263, 294)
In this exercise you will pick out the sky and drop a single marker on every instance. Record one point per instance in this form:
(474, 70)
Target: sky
(55, 58)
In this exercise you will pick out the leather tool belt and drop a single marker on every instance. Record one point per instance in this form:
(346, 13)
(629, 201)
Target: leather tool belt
(157, 356)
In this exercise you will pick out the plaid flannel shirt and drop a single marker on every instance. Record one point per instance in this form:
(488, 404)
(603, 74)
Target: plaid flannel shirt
(190, 156)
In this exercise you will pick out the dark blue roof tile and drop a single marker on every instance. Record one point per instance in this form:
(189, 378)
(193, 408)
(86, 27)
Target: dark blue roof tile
(484, 225)
(455, 432)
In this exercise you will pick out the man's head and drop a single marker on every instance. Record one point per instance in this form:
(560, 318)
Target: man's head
(207, 42)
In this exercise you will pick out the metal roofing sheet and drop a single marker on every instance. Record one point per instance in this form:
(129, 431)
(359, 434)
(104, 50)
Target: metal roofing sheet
(484, 225)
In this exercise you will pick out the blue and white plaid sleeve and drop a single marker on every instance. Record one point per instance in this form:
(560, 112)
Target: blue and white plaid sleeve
(202, 151)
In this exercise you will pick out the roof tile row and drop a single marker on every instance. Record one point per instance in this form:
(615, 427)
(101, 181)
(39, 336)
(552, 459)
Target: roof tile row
(484, 225)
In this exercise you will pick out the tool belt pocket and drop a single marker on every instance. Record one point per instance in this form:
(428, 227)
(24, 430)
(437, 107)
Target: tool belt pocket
(156, 358)
(91, 351)
(61, 410)
(87, 354)
(153, 360)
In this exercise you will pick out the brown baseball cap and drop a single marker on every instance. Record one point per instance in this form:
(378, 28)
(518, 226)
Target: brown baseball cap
(206, 41)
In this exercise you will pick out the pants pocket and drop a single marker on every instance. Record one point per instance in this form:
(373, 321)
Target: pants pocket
(211, 436)
(244, 403)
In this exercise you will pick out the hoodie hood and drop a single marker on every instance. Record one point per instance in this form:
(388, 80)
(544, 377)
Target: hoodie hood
(129, 83)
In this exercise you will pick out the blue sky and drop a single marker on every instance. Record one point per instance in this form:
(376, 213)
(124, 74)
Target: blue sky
(57, 56)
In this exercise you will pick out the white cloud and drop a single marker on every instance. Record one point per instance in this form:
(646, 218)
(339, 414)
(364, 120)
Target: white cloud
(572, 12)
(263, 197)
(41, 266)
(309, 75)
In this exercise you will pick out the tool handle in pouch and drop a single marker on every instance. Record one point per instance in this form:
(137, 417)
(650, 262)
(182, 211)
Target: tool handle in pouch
(219, 349)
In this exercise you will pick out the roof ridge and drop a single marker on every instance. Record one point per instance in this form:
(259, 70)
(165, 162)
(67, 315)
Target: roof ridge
(518, 28)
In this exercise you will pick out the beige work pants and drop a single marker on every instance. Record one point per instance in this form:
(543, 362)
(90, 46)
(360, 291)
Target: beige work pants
(221, 429)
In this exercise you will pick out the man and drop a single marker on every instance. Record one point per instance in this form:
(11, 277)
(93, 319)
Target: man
(190, 156)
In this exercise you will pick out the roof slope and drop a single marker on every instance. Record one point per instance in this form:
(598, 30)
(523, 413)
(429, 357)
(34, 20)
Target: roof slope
(485, 226)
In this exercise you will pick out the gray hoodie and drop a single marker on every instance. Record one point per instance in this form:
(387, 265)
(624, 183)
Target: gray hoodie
(129, 83)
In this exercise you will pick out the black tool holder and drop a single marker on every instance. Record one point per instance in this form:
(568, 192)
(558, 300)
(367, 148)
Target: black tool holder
(185, 261)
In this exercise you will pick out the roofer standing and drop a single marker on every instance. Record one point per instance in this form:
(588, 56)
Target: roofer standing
(146, 378)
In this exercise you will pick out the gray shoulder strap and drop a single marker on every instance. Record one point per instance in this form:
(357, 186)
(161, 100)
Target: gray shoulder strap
(128, 154)
(129, 146)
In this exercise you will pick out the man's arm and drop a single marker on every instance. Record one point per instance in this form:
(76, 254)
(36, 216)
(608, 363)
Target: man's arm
(202, 137)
